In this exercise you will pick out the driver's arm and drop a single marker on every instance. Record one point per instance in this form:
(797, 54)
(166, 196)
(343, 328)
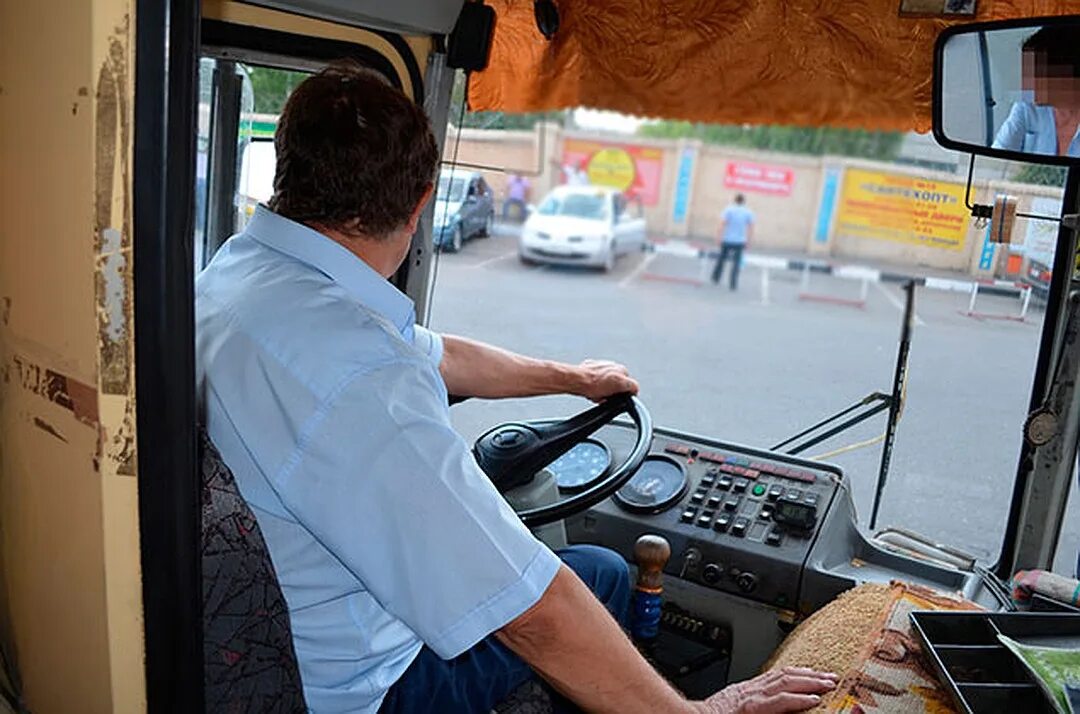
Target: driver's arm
(476, 369)
(571, 640)
(1011, 133)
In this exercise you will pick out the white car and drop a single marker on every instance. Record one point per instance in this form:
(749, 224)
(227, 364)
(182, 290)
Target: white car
(581, 225)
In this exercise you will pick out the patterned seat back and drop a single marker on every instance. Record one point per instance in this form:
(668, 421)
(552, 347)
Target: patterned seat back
(249, 661)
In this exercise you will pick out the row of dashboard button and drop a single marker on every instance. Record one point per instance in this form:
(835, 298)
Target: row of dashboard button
(725, 523)
(741, 465)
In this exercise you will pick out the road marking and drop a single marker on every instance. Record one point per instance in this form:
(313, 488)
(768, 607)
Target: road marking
(897, 302)
(489, 261)
(636, 272)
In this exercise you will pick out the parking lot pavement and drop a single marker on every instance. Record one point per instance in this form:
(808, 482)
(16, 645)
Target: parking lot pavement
(756, 368)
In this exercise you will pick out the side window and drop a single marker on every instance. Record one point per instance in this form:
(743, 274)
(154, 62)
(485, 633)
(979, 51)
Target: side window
(620, 206)
(239, 105)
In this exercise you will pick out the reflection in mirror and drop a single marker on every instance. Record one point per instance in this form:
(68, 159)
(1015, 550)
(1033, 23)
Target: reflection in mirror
(1014, 89)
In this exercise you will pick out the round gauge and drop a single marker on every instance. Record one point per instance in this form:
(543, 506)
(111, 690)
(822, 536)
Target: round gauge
(581, 466)
(657, 486)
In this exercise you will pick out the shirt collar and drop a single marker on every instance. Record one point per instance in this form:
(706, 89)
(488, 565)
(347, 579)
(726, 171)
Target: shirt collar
(336, 262)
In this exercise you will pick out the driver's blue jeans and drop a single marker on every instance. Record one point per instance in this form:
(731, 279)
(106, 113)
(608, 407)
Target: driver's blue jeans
(487, 674)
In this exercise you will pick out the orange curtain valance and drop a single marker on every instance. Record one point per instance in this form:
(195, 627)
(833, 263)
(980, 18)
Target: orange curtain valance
(852, 63)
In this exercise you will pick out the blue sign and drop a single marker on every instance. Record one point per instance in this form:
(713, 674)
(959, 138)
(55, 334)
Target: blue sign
(828, 205)
(682, 186)
(986, 257)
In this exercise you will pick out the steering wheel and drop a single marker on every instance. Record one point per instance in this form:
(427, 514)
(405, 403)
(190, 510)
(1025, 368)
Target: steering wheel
(512, 454)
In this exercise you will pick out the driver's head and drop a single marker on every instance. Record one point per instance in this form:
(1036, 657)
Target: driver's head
(355, 156)
(1051, 67)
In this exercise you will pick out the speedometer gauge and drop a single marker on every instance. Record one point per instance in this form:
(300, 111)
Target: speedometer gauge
(581, 466)
(657, 486)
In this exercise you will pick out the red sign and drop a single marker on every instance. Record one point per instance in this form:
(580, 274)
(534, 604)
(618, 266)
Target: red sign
(759, 178)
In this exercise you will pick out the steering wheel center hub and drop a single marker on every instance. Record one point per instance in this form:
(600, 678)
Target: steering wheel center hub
(512, 454)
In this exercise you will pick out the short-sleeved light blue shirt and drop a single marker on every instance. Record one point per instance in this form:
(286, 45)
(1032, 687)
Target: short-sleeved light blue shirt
(1032, 128)
(737, 221)
(326, 402)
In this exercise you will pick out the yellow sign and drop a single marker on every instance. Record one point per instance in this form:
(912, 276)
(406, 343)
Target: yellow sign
(611, 167)
(906, 209)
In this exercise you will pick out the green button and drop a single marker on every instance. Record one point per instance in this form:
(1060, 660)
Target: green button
(759, 490)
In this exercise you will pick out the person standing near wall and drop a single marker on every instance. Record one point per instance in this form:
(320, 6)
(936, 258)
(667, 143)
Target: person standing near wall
(517, 191)
(736, 230)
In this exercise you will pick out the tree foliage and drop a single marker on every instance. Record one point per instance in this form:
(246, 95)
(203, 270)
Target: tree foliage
(1041, 174)
(882, 145)
(272, 87)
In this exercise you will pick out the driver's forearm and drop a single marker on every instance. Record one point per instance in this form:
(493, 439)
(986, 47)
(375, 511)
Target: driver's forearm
(475, 369)
(574, 643)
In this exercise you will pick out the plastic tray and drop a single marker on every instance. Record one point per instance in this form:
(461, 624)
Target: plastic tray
(980, 673)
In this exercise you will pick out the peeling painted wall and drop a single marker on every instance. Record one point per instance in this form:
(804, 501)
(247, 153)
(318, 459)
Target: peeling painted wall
(70, 585)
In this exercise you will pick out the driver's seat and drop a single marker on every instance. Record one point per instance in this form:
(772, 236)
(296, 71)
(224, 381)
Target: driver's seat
(249, 664)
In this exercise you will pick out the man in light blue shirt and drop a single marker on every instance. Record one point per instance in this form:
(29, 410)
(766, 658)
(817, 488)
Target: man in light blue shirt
(736, 229)
(1047, 121)
(1032, 129)
(411, 585)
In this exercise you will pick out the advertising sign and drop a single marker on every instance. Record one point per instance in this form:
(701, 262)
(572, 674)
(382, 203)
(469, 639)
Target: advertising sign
(1041, 236)
(634, 170)
(906, 209)
(828, 205)
(682, 186)
(759, 178)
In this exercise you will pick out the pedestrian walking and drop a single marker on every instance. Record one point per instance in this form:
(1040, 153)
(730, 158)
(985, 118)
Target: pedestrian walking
(736, 230)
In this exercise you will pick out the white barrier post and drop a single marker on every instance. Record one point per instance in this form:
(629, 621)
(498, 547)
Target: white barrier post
(764, 285)
(703, 256)
(1022, 291)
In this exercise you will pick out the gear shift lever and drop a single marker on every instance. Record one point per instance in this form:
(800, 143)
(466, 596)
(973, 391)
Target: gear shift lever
(651, 553)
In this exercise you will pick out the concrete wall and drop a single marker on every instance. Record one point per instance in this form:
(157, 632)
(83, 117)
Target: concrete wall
(70, 583)
(797, 221)
(783, 222)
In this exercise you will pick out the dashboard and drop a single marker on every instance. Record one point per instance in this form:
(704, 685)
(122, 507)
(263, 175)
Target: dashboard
(755, 525)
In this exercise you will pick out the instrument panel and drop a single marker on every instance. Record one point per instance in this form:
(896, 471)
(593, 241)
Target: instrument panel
(738, 520)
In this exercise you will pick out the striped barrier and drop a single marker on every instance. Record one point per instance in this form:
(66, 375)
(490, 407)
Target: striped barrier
(864, 275)
(707, 257)
(848, 272)
(1019, 290)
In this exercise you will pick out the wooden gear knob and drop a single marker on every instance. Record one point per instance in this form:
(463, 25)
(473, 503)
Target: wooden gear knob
(651, 553)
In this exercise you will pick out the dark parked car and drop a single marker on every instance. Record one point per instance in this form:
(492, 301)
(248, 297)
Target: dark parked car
(464, 208)
(1038, 277)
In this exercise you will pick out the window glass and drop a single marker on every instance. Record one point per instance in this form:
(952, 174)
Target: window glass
(576, 205)
(451, 191)
(202, 154)
(834, 221)
(270, 88)
(214, 113)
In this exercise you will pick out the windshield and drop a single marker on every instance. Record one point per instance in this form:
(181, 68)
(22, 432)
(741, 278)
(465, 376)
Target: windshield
(826, 226)
(452, 192)
(576, 205)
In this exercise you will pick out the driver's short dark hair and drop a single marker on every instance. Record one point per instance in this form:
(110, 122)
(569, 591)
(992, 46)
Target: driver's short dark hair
(354, 154)
(1058, 50)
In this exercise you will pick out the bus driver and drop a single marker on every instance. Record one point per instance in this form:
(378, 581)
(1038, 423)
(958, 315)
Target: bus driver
(411, 585)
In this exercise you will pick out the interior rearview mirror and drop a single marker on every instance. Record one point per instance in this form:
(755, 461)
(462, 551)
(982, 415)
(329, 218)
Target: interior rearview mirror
(1010, 89)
